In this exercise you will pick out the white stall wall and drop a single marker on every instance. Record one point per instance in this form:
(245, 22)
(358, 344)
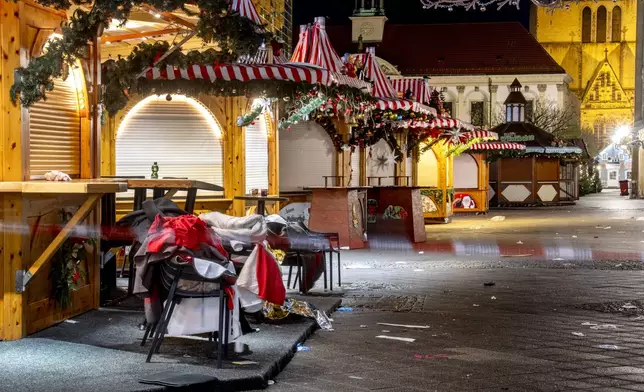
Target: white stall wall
(466, 172)
(306, 155)
(381, 149)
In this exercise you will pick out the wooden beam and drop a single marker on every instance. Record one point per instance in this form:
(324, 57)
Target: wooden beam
(125, 37)
(11, 159)
(64, 234)
(168, 17)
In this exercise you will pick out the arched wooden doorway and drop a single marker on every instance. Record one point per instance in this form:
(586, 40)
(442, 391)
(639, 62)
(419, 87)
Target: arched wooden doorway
(180, 135)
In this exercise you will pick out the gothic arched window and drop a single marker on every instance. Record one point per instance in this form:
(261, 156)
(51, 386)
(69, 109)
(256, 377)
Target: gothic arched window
(601, 24)
(586, 22)
(617, 24)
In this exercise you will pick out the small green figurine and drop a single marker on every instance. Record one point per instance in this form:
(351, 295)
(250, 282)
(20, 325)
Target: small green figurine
(155, 171)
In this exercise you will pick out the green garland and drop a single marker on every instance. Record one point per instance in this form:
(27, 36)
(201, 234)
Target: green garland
(67, 273)
(434, 194)
(255, 111)
(235, 35)
(326, 123)
(493, 156)
(304, 108)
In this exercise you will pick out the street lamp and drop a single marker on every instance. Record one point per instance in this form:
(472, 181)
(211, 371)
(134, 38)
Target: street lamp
(621, 133)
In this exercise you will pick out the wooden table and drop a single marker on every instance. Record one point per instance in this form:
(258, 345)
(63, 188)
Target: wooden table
(261, 201)
(167, 188)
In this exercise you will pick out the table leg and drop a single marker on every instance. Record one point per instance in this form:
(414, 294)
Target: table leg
(157, 193)
(139, 198)
(261, 207)
(190, 200)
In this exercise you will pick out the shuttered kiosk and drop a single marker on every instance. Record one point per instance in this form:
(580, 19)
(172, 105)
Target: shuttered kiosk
(54, 131)
(307, 155)
(181, 135)
(256, 142)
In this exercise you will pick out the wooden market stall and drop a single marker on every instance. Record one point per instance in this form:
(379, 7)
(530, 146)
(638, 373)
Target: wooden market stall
(118, 113)
(471, 171)
(537, 175)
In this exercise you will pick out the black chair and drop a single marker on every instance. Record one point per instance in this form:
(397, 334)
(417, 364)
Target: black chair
(331, 247)
(181, 268)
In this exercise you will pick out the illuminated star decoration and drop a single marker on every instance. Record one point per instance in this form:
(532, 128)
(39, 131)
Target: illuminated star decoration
(384, 159)
(455, 136)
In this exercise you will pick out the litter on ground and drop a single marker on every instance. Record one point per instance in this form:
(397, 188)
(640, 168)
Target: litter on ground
(408, 340)
(406, 326)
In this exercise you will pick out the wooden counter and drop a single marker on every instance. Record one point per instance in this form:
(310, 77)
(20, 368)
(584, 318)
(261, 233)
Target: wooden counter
(39, 217)
(396, 210)
(340, 210)
(64, 187)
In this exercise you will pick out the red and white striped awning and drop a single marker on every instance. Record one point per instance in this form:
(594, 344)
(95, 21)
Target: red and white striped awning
(301, 51)
(497, 146)
(404, 104)
(243, 73)
(314, 47)
(419, 88)
(382, 87)
(448, 123)
(246, 72)
(247, 9)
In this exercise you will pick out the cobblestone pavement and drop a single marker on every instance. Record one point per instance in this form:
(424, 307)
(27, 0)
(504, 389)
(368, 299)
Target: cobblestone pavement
(546, 324)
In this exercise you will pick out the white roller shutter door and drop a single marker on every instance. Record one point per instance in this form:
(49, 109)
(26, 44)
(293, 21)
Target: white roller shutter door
(54, 131)
(466, 172)
(382, 150)
(306, 155)
(409, 169)
(355, 167)
(256, 155)
(181, 136)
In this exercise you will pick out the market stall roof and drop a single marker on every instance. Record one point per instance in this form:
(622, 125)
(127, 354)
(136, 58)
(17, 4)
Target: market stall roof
(525, 133)
(298, 73)
(449, 123)
(457, 49)
(554, 150)
(315, 48)
(385, 92)
(419, 88)
(497, 146)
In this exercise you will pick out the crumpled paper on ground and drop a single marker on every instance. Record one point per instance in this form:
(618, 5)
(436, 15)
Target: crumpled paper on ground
(300, 308)
(56, 175)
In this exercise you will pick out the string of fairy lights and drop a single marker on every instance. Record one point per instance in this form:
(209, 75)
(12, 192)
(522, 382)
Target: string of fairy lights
(482, 5)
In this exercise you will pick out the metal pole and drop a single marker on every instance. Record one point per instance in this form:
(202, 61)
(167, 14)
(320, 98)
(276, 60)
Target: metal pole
(639, 99)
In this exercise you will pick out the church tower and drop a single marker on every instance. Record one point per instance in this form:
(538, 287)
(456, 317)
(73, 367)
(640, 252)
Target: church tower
(594, 41)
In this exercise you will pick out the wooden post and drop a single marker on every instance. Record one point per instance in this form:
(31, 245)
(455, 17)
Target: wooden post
(343, 166)
(415, 157)
(234, 154)
(272, 123)
(363, 166)
(11, 260)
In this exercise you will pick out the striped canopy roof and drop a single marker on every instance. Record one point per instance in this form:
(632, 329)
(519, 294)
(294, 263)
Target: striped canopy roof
(247, 9)
(315, 48)
(497, 146)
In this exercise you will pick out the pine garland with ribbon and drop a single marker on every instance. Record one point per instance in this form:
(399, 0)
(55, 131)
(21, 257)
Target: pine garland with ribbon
(327, 123)
(493, 156)
(255, 111)
(235, 35)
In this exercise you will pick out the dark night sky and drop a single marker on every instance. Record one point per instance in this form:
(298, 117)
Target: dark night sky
(406, 11)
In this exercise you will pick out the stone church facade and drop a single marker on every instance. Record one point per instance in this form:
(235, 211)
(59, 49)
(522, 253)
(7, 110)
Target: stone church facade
(594, 41)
